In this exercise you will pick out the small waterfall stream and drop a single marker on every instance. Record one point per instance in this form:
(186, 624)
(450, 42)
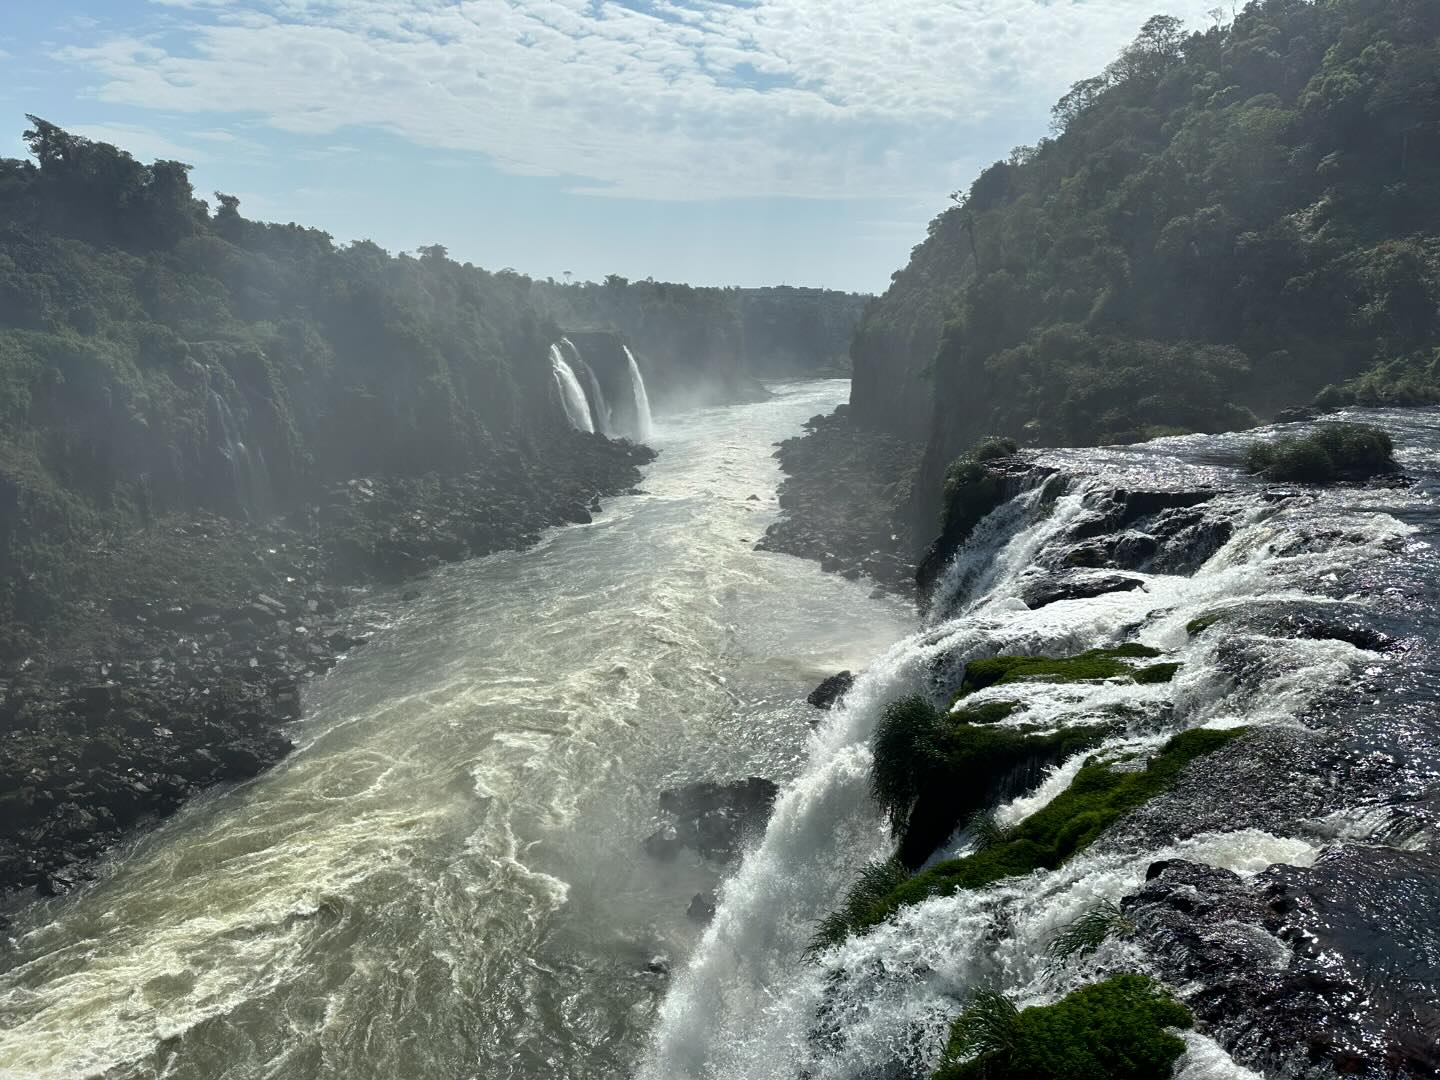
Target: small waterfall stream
(572, 397)
(642, 399)
(249, 477)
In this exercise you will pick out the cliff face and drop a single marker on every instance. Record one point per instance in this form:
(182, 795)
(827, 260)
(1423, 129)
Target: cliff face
(894, 347)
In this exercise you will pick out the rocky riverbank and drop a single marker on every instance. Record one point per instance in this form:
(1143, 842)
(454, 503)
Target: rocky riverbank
(840, 501)
(183, 665)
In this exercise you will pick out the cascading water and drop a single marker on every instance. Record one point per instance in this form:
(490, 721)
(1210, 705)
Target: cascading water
(643, 422)
(1293, 573)
(249, 476)
(599, 408)
(572, 397)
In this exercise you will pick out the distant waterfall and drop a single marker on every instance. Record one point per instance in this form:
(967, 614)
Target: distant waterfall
(642, 400)
(599, 408)
(249, 475)
(607, 384)
(577, 409)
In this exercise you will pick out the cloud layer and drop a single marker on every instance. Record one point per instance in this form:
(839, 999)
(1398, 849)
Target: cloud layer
(669, 99)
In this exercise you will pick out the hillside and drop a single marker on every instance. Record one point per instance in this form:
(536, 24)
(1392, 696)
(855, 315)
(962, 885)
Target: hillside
(1223, 224)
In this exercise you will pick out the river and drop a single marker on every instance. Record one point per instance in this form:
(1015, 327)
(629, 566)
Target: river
(444, 879)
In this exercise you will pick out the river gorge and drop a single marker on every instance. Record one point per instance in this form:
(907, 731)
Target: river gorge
(446, 878)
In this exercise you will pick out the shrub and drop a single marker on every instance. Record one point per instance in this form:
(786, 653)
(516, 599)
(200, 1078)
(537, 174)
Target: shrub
(1112, 1030)
(971, 490)
(1331, 451)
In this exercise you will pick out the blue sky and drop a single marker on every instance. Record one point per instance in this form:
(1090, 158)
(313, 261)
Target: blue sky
(743, 142)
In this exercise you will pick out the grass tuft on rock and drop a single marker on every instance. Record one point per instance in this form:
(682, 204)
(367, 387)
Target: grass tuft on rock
(1091, 930)
(1331, 452)
(1097, 797)
(875, 882)
(1119, 1029)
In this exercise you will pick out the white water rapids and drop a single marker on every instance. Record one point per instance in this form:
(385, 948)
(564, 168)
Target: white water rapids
(444, 879)
(879, 1006)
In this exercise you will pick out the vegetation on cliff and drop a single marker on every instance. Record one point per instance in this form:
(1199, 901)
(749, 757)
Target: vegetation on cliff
(1118, 1029)
(158, 354)
(932, 770)
(1223, 222)
(1097, 797)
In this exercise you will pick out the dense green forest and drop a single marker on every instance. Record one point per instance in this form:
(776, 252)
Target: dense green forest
(158, 353)
(1224, 223)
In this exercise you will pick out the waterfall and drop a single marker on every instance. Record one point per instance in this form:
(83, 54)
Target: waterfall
(748, 1007)
(249, 475)
(599, 407)
(572, 397)
(643, 427)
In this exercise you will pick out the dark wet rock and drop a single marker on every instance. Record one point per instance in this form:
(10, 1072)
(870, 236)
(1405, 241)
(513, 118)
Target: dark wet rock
(664, 843)
(843, 485)
(711, 819)
(702, 908)
(1294, 966)
(1078, 586)
(828, 694)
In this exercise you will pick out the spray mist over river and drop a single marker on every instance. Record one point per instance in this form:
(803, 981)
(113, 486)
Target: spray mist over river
(444, 880)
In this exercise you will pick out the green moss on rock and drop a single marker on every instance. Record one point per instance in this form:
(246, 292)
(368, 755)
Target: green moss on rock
(989, 712)
(931, 770)
(1088, 666)
(1156, 673)
(1203, 623)
(1096, 798)
(1119, 1029)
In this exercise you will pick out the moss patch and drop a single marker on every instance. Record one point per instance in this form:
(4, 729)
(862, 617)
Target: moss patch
(1118, 1029)
(1095, 799)
(1203, 623)
(989, 712)
(931, 772)
(1330, 452)
(1156, 673)
(1086, 667)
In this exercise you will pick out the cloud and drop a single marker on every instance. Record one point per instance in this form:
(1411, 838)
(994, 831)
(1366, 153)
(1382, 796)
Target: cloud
(681, 99)
(144, 143)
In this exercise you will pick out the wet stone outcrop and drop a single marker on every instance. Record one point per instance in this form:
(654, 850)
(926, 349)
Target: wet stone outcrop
(713, 820)
(1172, 532)
(839, 501)
(1276, 963)
(830, 691)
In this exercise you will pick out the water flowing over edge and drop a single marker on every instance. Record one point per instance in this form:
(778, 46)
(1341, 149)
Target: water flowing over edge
(747, 1008)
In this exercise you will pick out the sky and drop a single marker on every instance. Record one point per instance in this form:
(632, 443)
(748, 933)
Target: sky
(720, 142)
